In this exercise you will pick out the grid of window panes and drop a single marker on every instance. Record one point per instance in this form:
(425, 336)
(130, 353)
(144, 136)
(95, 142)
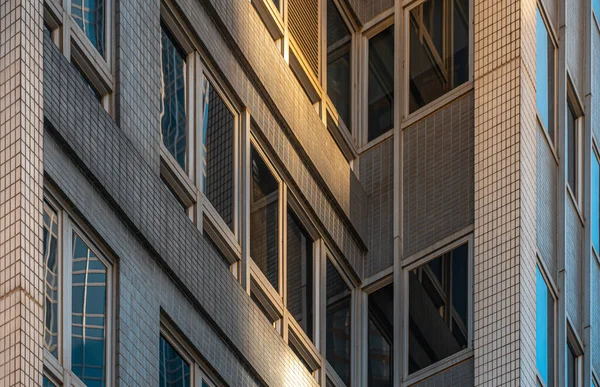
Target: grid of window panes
(174, 371)
(51, 279)
(544, 74)
(90, 17)
(173, 98)
(438, 309)
(544, 330)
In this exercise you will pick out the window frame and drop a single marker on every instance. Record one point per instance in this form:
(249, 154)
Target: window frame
(573, 103)
(468, 352)
(595, 153)
(58, 369)
(198, 373)
(574, 344)
(553, 290)
(369, 31)
(407, 116)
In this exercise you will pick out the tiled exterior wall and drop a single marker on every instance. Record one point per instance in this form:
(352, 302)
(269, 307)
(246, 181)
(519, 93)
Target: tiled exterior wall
(21, 174)
(576, 24)
(149, 209)
(375, 7)
(377, 176)
(574, 267)
(438, 176)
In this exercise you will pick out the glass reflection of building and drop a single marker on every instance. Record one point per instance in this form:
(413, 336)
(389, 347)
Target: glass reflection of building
(89, 16)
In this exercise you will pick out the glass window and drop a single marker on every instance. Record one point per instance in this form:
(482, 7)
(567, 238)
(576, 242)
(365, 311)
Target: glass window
(544, 330)
(89, 16)
(572, 154)
(544, 74)
(218, 141)
(173, 98)
(47, 383)
(174, 370)
(438, 309)
(595, 202)
(87, 81)
(300, 274)
(381, 333)
(264, 213)
(439, 49)
(381, 83)
(88, 331)
(572, 367)
(596, 6)
(51, 279)
(338, 323)
(339, 84)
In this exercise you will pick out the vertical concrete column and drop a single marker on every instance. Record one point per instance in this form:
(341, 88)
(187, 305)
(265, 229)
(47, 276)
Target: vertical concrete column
(505, 223)
(21, 193)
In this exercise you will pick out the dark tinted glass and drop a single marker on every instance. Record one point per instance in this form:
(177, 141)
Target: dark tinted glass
(47, 383)
(438, 309)
(218, 153)
(571, 367)
(87, 81)
(544, 74)
(338, 323)
(544, 327)
(595, 202)
(381, 333)
(174, 370)
(264, 202)
(339, 84)
(89, 16)
(88, 335)
(439, 49)
(300, 273)
(572, 150)
(381, 83)
(173, 102)
(50, 239)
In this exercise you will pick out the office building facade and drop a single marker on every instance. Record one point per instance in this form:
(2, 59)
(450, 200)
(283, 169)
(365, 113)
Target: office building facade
(299, 192)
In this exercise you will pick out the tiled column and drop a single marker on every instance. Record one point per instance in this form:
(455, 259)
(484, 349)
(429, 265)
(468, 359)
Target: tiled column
(21, 182)
(505, 154)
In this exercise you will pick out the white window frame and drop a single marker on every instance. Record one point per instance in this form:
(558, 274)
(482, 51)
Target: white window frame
(378, 25)
(573, 103)
(450, 361)
(59, 369)
(198, 373)
(554, 294)
(408, 117)
(76, 47)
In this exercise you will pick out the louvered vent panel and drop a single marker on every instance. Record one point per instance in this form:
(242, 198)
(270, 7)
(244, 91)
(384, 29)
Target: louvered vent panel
(304, 27)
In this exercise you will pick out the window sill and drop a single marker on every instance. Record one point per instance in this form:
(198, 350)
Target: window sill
(575, 204)
(220, 233)
(270, 16)
(307, 78)
(303, 344)
(438, 367)
(378, 140)
(549, 140)
(340, 133)
(53, 12)
(437, 104)
(181, 184)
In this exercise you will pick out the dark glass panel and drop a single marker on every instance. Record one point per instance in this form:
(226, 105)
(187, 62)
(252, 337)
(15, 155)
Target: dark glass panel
(89, 16)
(381, 83)
(339, 84)
(381, 333)
(338, 324)
(572, 372)
(595, 202)
(174, 371)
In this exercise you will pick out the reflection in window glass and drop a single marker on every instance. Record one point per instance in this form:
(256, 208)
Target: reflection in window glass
(438, 309)
(174, 370)
(381, 330)
(338, 323)
(88, 335)
(571, 371)
(544, 74)
(595, 202)
(89, 16)
(264, 202)
(596, 6)
(47, 383)
(381, 83)
(339, 84)
(173, 100)
(50, 240)
(300, 273)
(571, 150)
(218, 132)
(544, 311)
(439, 49)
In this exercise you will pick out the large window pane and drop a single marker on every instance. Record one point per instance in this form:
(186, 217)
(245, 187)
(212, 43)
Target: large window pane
(264, 203)
(381, 83)
(338, 323)
(381, 333)
(47, 383)
(544, 313)
(218, 132)
(50, 240)
(89, 16)
(439, 49)
(300, 273)
(572, 371)
(438, 309)
(173, 99)
(571, 150)
(339, 86)
(544, 74)
(88, 335)
(595, 202)
(174, 370)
